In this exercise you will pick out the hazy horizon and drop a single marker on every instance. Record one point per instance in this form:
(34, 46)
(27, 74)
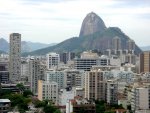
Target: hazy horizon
(53, 21)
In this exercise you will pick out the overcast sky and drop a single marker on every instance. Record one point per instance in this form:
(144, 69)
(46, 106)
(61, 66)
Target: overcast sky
(53, 21)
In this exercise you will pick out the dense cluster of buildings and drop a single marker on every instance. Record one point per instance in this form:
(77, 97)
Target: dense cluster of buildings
(119, 76)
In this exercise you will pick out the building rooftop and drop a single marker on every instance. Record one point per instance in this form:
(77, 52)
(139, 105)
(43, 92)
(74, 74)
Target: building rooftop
(4, 100)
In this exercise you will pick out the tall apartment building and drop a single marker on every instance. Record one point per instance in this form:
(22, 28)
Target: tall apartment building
(128, 58)
(48, 90)
(116, 42)
(65, 57)
(36, 72)
(145, 62)
(140, 98)
(130, 45)
(112, 92)
(53, 60)
(15, 57)
(24, 70)
(95, 85)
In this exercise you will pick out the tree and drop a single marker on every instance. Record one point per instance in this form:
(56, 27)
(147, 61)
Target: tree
(49, 109)
(39, 104)
(27, 93)
(57, 111)
(5, 93)
(100, 108)
(20, 87)
(109, 112)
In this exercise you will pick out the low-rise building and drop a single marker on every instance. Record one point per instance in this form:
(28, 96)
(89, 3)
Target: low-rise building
(78, 105)
(5, 105)
(65, 95)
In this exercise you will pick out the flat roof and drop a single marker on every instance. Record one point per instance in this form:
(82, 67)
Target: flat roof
(4, 100)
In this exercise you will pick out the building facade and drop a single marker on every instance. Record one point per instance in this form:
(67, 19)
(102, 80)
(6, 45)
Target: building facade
(4, 72)
(53, 60)
(5, 105)
(67, 56)
(112, 92)
(145, 62)
(48, 90)
(74, 78)
(140, 98)
(15, 57)
(80, 105)
(116, 42)
(56, 76)
(95, 85)
(36, 72)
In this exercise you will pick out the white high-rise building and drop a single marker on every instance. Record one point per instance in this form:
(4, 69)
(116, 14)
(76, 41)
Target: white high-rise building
(15, 57)
(53, 60)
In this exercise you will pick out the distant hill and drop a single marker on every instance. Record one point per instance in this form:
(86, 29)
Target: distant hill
(32, 46)
(1, 52)
(26, 45)
(145, 48)
(4, 45)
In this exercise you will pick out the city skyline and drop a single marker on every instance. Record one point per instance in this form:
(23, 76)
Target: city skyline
(53, 21)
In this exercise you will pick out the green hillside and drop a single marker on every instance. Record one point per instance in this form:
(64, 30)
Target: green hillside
(98, 40)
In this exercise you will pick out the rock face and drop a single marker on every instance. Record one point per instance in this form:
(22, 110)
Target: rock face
(92, 23)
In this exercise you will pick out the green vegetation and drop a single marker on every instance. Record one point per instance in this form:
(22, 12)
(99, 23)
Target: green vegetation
(20, 86)
(47, 106)
(20, 101)
(103, 107)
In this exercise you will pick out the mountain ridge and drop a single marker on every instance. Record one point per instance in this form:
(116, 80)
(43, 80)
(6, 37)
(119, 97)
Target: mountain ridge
(26, 46)
(89, 42)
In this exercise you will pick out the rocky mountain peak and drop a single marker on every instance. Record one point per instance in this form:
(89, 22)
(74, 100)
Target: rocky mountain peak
(91, 24)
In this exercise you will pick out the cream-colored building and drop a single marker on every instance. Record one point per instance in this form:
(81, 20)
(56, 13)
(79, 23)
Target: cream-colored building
(145, 62)
(48, 90)
(95, 85)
